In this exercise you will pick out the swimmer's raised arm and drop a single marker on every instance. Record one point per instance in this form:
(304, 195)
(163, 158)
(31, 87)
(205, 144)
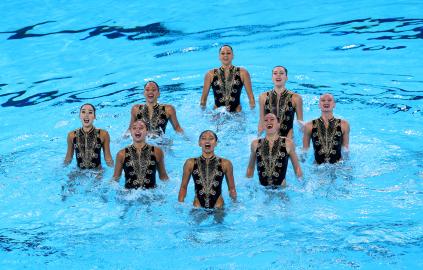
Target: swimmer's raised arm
(252, 161)
(229, 175)
(290, 148)
(307, 136)
(298, 103)
(120, 158)
(171, 112)
(262, 100)
(206, 88)
(188, 167)
(104, 136)
(246, 80)
(70, 150)
(161, 166)
(134, 111)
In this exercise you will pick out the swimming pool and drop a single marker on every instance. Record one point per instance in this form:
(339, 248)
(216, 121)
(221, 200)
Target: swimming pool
(363, 214)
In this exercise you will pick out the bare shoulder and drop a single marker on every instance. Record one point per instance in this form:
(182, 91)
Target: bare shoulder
(71, 134)
(135, 107)
(169, 108)
(226, 163)
(189, 163)
(121, 154)
(308, 126)
(345, 124)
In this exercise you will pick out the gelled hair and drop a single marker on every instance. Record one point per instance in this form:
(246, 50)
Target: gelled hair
(208, 130)
(286, 70)
(226, 45)
(89, 104)
(140, 120)
(145, 85)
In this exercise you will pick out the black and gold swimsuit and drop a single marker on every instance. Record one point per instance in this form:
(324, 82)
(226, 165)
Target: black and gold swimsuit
(271, 162)
(87, 147)
(284, 109)
(140, 168)
(208, 176)
(327, 142)
(158, 121)
(227, 91)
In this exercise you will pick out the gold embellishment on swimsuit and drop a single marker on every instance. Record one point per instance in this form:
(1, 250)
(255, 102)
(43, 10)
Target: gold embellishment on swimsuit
(155, 121)
(207, 172)
(326, 136)
(226, 85)
(269, 158)
(86, 143)
(279, 108)
(140, 163)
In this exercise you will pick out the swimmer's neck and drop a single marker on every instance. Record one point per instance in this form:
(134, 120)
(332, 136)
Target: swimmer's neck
(272, 136)
(208, 155)
(139, 145)
(227, 66)
(326, 116)
(88, 128)
(280, 89)
(151, 104)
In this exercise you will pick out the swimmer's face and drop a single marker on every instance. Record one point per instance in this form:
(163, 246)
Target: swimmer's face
(207, 142)
(279, 76)
(87, 115)
(151, 92)
(326, 103)
(226, 56)
(138, 131)
(271, 124)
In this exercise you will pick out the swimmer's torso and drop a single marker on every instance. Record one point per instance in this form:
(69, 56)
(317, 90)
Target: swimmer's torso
(227, 91)
(284, 109)
(87, 146)
(140, 168)
(327, 142)
(208, 176)
(158, 121)
(271, 162)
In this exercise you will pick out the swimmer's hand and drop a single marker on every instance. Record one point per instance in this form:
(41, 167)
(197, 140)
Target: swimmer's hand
(109, 162)
(252, 106)
(345, 152)
(303, 155)
(232, 194)
(301, 125)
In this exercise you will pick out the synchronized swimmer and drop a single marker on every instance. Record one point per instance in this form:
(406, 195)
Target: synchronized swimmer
(278, 107)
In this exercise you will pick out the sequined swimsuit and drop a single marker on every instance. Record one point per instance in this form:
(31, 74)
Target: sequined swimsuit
(140, 168)
(208, 176)
(271, 163)
(227, 91)
(157, 123)
(284, 111)
(327, 142)
(87, 147)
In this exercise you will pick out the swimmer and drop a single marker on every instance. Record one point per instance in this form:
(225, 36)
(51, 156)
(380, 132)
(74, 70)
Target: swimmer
(140, 161)
(330, 136)
(282, 103)
(154, 114)
(272, 155)
(227, 82)
(87, 142)
(207, 171)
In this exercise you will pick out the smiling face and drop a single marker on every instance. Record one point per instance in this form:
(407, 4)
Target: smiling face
(87, 115)
(279, 76)
(138, 131)
(226, 56)
(151, 92)
(271, 124)
(326, 103)
(207, 142)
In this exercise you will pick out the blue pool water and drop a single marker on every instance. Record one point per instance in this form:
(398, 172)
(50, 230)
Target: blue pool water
(363, 214)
